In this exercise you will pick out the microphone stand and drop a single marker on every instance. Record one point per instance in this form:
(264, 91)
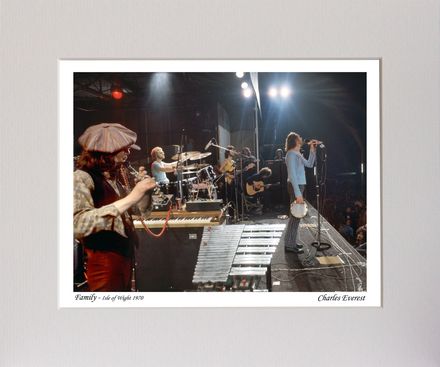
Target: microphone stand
(317, 245)
(236, 213)
(240, 156)
(242, 188)
(179, 168)
(226, 184)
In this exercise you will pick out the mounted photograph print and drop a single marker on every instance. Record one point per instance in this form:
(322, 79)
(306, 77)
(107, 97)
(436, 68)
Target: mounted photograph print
(219, 183)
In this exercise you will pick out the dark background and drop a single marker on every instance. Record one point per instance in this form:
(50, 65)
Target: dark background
(170, 108)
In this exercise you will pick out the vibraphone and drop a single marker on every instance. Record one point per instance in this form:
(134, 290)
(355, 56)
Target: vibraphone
(236, 257)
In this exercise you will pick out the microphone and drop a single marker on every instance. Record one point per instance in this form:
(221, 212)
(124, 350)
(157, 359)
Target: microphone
(311, 141)
(209, 144)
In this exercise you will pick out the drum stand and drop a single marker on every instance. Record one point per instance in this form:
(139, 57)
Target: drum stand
(317, 245)
(179, 169)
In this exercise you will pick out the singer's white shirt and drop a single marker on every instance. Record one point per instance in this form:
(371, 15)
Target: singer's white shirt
(296, 173)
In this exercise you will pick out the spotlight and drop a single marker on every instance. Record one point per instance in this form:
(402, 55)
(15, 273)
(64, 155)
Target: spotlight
(117, 92)
(273, 92)
(239, 74)
(247, 92)
(285, 92)
(244, 85)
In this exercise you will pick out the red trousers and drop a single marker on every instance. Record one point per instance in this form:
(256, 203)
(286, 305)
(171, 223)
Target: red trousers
(108, 271)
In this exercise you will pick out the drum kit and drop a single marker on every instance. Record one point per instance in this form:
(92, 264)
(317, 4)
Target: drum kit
(198, 179)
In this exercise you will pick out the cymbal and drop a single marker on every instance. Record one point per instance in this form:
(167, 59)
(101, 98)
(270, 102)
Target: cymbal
(199, 156)
(184, 156)
(196, 166)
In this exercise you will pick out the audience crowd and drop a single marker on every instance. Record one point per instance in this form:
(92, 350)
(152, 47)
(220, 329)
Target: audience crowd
(349, 216)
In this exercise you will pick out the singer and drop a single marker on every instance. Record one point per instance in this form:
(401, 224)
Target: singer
(296, 181)
(100, 218)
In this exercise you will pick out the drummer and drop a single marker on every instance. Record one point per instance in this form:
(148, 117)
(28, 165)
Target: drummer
(159, 167)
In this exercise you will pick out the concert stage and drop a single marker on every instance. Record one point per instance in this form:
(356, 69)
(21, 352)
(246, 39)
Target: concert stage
(248, 256)
(290, 275)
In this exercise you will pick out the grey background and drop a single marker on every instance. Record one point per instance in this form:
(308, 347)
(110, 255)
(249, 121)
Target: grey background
(405, 34)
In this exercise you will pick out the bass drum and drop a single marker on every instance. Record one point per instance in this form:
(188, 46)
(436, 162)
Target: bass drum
(172, 188)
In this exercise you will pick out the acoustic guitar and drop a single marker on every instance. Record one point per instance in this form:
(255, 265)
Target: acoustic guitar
(258, 187)
(229, 175)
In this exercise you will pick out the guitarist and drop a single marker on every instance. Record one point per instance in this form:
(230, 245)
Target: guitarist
(249, 163)
(230, 171)
(228, 165)
(256, 182)
(227, 168)
(255, 185)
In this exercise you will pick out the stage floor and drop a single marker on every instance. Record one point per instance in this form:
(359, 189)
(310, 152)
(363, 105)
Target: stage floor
(287, 269)
(157, 265)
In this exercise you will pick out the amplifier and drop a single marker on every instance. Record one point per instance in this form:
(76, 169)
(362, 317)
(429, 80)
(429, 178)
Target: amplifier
(203, 205)
(167, 263)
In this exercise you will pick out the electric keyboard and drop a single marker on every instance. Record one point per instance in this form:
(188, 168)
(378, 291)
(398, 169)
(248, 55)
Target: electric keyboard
(181, 219)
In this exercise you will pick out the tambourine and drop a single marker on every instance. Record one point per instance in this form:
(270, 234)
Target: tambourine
(298, 210)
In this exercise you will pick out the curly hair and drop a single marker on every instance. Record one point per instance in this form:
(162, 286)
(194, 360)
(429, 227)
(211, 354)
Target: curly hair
(96, 161)
(266, 172)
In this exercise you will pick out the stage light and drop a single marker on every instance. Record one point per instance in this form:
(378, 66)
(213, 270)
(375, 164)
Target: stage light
(244, 85)
(160, 81)
(117, 93)
(247, 92)
(285, 92)
(362, 168)
(160, 88)
(273, 92)
(239, 74)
